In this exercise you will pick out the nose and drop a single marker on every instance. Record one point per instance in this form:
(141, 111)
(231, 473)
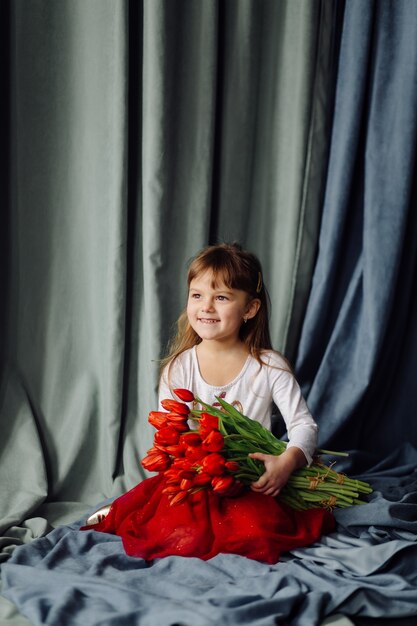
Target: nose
(207, 305)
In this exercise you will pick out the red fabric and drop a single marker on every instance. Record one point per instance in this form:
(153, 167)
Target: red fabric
(252, 525)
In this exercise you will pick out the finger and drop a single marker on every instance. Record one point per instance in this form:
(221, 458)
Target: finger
(268, 491)
(260, 456)
(261, 488)
(261, 482)
(264, 487)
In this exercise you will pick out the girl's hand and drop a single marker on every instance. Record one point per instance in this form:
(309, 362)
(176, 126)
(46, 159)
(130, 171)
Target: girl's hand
(278, 469)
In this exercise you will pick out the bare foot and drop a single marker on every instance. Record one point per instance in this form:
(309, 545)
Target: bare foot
(98, 516)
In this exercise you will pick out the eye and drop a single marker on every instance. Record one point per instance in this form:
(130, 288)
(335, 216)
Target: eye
(222, 298)
(195, 296)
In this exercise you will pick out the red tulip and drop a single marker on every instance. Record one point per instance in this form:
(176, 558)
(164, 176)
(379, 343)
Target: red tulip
(184, 394)
(208, 421)
(214, 441)
(179, 497)
(181, 427)
(156, 462)
(235, 490)
(184, 473)
(232, 466)
(172, 472)
(168, 436)
(177, 450)
(195, 453)
(173, 480)
(176, 417)
(222, 484)
(158, 419)
(171, 477)
(175, 406)
(155, 450)
(214, 464)
(159, 446)
(186, 484)
(202, 479)
(171, 489)
(182, 464)
(191, 438)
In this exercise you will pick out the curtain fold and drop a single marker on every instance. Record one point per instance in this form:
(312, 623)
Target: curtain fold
(276, 101)
(4, 168)
(205, 173)
(358, 326)
(66, 298)
(141, 131)
(316, 162)
(170, 191)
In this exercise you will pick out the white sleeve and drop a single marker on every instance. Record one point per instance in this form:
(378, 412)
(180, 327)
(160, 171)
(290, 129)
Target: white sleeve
(301, 427)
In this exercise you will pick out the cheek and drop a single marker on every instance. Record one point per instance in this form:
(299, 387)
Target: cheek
(190, 308)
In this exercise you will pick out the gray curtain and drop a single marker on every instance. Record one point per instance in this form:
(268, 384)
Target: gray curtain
(357, 354)
(136, 132)
(139, 132)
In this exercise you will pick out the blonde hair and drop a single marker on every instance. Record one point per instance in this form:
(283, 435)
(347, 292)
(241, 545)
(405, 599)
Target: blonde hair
(238, 269)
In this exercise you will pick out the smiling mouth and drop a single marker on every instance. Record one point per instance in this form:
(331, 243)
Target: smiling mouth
(205, 320)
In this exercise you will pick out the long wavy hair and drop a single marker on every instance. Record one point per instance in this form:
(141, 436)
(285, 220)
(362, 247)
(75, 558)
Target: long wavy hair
(237, 269)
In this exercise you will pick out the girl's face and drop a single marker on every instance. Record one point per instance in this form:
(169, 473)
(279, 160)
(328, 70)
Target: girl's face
(216, 312)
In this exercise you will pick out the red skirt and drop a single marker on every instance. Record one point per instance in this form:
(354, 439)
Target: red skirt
(252, 525)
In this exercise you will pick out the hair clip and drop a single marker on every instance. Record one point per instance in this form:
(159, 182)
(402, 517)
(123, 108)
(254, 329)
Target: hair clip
(259, 285)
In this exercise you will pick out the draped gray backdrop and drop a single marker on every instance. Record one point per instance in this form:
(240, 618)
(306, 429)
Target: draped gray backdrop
(140, 133)
(136, 132)
(357, 356)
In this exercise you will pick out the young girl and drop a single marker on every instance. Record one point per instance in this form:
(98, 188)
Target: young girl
(223, 349)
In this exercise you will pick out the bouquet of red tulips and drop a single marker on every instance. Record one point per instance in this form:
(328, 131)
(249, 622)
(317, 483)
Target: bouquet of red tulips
(214, 456)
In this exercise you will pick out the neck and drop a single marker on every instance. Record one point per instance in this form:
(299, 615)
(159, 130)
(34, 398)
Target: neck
(219, 363)
(212, 348)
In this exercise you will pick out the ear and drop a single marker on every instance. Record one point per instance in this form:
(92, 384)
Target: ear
(252, 308)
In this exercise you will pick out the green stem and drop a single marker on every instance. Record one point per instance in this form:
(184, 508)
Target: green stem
(332, 453)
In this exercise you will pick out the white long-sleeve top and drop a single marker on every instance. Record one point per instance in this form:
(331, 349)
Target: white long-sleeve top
(253, 392)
